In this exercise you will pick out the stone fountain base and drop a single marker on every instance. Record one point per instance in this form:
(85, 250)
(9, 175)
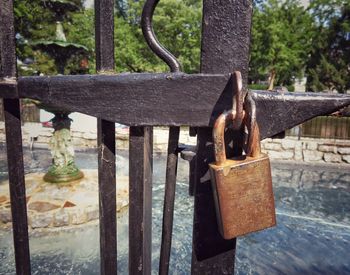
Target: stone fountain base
(51, 205)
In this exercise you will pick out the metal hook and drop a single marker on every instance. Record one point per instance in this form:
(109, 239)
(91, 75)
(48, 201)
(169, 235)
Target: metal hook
(151, 39)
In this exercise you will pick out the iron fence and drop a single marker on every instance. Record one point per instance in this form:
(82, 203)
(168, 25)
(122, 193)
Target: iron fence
(142, 101)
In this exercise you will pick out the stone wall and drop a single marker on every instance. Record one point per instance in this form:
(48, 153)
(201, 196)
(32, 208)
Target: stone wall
(308, 150)
(290, 148)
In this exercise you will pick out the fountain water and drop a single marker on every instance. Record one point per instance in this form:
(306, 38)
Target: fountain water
(312, 236)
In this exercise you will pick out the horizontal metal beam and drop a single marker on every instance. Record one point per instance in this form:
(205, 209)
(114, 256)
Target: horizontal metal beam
(172, 99)
(135, 99)
(277, 112)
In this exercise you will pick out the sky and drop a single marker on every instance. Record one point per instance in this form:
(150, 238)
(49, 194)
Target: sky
(89, 3)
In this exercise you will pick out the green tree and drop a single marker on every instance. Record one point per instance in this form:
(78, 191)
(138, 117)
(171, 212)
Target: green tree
(177, 25)
(33, 22)
(281, 41)
(80, 29)
(122, 7)
(328, 67)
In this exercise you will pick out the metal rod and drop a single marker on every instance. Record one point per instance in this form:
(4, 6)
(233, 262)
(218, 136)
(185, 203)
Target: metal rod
(173, 141)
(140, 182)
(169, 200)
(140, 200)
(107, 196)
(104, 33)
(17, 185)
(7, 41)
(14, 141)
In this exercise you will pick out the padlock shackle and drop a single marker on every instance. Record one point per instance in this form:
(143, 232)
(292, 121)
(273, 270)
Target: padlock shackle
(253, 148)
(253, 144)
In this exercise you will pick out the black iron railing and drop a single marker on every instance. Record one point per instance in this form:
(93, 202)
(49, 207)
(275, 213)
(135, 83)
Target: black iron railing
(143, 101)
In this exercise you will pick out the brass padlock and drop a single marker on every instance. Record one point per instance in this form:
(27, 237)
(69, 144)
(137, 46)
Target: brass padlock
(242, 186)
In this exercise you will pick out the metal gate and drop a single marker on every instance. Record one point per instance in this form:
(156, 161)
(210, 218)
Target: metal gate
(143, 101)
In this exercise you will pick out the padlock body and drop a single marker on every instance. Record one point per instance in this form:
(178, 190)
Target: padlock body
(243, 195)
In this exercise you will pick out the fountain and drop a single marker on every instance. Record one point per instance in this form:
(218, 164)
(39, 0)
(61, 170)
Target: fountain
(63, 168)
(73, 200)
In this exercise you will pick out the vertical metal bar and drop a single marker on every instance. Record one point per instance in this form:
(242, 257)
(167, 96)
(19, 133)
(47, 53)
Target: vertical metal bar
(171, 170)
(140, 199)
(17, 184)
(104, 33)
(107, 196)
(7, 40)
(169, 200)
(14, 141)
(225, 48)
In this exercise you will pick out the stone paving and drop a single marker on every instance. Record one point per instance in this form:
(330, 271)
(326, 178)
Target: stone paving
(51, 205)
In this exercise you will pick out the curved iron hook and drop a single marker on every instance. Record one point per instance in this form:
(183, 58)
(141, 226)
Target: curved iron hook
(151, 39)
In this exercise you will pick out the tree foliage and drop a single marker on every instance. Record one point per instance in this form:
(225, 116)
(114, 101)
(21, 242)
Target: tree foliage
(30, 27)
(177, 26)
(329, 63)
(80, 29)
(280, 41)
(287, 40)
(35, 21)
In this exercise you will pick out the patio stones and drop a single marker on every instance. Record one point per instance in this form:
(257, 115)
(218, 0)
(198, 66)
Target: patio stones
(42, 206)
(51, 205)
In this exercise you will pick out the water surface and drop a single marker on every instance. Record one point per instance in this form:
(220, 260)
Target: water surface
(312, 236)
